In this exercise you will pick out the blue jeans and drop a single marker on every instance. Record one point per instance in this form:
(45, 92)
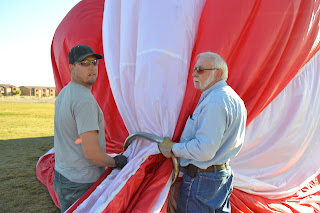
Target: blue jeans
(206, 192)
(68, 191)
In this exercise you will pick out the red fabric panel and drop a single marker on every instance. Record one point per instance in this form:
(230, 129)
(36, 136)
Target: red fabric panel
(45, 174)
(151, 189)
(265, 43)
(247, 203)
(143, 188)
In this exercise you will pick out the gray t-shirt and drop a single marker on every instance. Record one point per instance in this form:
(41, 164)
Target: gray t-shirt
(76, 112)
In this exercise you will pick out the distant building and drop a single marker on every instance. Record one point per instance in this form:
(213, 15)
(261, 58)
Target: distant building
(8, 89)
(38, 91)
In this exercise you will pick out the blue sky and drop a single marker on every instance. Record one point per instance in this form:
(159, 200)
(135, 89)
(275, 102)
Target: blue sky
(27, 29)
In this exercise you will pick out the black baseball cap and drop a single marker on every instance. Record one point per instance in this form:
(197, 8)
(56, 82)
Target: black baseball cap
(80, 52)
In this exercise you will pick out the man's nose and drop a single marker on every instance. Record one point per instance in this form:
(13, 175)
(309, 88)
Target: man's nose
(92, 67)
(195, 73)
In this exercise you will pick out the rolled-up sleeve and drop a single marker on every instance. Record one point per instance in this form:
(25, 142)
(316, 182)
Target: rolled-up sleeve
(209, 127)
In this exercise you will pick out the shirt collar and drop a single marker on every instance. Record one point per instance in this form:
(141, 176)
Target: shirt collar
(80, 85)
(217, 85)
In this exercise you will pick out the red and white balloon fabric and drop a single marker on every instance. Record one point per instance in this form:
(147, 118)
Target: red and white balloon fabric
(145, 84)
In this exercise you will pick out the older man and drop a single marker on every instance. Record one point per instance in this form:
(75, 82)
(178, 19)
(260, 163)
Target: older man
(213, 134)
(78, 117)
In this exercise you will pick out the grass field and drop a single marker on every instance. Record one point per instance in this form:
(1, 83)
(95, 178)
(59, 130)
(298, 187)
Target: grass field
(26, 133)
(26, 120)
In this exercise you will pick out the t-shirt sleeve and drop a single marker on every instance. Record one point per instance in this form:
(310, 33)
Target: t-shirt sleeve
(86, 116)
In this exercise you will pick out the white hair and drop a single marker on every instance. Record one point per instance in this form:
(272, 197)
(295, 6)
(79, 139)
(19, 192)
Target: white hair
(217, 62)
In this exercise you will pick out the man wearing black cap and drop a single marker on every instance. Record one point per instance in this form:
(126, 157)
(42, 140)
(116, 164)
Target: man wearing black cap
(79, 139)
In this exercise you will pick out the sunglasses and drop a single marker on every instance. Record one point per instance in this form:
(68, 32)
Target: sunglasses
(86, 63)
(200, 70)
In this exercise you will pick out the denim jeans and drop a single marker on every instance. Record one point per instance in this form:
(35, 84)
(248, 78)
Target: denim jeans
(68, 191)
(206, 192)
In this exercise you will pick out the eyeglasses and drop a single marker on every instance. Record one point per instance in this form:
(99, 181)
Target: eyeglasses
(200, 70)
(86, 63)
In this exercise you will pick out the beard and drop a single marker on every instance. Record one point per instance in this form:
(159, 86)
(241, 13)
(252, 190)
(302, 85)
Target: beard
(207, 82)
(91, 82)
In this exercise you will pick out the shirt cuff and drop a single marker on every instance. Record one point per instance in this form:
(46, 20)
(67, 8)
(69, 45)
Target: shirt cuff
(178, 149)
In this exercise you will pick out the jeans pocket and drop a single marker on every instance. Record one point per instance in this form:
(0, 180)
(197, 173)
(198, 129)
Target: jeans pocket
(211, 186)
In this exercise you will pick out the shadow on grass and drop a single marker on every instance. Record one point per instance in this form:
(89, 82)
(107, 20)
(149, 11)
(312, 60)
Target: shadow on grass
(20, 189)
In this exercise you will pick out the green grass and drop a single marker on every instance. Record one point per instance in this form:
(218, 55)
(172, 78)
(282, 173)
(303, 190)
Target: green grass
(26, 120)
(26, 133)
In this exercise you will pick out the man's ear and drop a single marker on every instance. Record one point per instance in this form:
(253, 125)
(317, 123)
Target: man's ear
(71, 66)
(219, 74)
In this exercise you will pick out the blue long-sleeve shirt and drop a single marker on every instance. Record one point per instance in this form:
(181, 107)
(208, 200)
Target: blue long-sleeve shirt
(215, 131)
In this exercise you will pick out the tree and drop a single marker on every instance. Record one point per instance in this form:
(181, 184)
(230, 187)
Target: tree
(18, 92)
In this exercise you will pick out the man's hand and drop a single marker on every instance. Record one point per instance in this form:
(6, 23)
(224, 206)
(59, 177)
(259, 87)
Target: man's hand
(165, 147)
(120, 160)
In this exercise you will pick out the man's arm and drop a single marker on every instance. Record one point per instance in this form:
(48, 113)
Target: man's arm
(211, 126)
(92, 150)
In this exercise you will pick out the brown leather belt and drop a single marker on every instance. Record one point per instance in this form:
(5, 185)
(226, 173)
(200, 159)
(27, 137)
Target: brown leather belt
(215, 168)
(192, 169)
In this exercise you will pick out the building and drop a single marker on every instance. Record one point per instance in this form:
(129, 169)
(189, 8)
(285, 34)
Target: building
(8, 89)
(38, 91)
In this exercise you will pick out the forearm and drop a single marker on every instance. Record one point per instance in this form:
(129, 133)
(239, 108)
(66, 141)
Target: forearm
(100, 158)
(93, 152)
(195, 150)
(204, 135)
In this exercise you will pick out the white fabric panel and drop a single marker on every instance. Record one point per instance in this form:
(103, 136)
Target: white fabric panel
(281, 151)
(147, 50)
